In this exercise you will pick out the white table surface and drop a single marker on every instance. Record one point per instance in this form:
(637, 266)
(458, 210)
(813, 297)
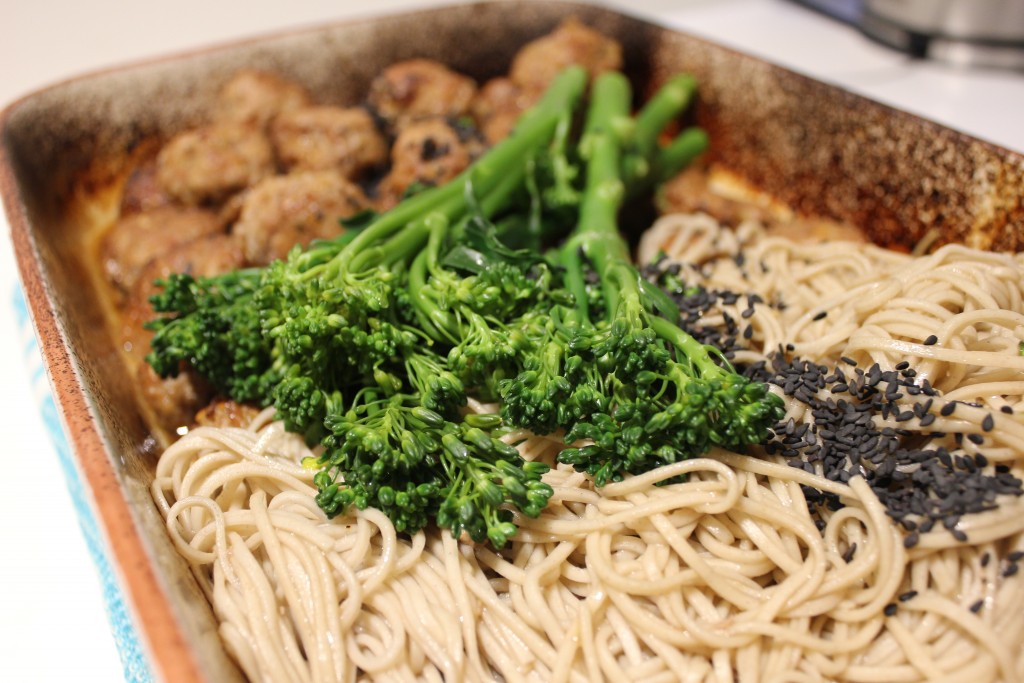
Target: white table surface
(49, 591)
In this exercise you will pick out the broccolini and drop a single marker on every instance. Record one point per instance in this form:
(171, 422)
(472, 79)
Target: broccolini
(372, 343)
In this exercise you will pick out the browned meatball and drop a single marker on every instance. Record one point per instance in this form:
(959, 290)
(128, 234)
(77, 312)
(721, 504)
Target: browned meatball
(694, 191)
(297, 208)
(497, 106)
(205, 256)
(537, 62)
(319, 138)
(135, 240)
(142, 191)
(430, 152)
(174, 400)
(226, 413)
(254, 96)
(209, 164)
(419, 88)
(690, 192)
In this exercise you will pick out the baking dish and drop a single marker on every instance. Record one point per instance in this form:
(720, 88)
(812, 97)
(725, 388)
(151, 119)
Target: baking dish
(814, 148)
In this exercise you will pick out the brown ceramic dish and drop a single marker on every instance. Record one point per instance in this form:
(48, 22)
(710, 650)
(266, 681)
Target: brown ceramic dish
(822, 151)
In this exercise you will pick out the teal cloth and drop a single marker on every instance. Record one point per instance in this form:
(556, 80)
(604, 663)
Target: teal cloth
(133, 659)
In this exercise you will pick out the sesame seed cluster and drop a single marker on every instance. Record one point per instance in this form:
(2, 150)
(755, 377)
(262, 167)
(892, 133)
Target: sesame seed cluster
(874, 422)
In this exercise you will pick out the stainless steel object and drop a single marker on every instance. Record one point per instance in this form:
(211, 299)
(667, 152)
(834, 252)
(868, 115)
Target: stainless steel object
(967, 32)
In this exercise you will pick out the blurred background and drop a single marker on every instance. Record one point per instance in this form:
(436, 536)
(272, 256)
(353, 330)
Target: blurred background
(958, 62)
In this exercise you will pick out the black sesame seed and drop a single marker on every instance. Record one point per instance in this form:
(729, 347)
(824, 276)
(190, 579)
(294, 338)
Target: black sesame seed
(910, 540)
(976, 606)
(976, 439)
(820, 315)
(930, 340)
(988, 423)
(902, 365)
(848, 361)
(890, 609)
(1010, 570)
(909, 595)
(1006, 409)
(1016, 556)
(948, 409)
(985, 559)
(848, 555)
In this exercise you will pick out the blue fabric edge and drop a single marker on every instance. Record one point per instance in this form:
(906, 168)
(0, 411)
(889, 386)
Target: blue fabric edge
(133, 657)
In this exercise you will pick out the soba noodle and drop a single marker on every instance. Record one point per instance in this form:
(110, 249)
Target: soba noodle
(730, 575)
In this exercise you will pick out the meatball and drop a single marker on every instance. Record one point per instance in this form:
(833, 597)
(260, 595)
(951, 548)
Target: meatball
(419, 88)
(204, 256)
(297, 208)
(227, 413)
(142, 190)
(319, 138)
(497, 106)
(537, 62)
(699, 189)
(429, 152)
(174, 400)
(254, 96)
(690, 192)
(136, 239)
(207, 165)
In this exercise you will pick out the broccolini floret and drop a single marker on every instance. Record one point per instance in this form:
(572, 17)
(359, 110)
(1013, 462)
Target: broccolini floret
(371, 344)
(665, 397)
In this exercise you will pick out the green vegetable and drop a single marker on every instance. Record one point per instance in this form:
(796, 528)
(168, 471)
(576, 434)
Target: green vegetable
(371, 344)
(639, 389)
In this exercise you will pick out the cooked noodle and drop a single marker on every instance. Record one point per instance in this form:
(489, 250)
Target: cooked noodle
(731, 574)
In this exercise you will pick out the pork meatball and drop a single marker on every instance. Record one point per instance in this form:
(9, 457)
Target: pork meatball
(297, 208)
(134, 240)
(419, 88)
(174, 400)
(697, 190)
(226, 413)
(496, 108)
(142, 190)
(429, 152)
(202, 257)
(537, 62)
(320, 138)
(254, 96)
(207, 165)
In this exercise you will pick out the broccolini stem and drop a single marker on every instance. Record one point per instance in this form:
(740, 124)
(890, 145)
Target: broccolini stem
(597, 234)
(662, 108)
(679, 153)
(699, 357)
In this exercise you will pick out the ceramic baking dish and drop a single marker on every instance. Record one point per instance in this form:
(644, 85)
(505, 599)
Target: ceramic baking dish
(821, 151)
